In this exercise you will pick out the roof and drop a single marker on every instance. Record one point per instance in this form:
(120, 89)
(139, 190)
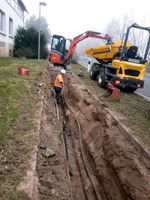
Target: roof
(22, 5)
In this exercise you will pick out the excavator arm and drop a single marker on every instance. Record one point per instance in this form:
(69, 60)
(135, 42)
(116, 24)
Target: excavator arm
(60, 53)
(83, 36)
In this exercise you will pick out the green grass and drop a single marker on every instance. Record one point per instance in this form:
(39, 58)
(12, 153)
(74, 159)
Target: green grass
(17, 111)
(9, 184)
(13, 87)
(133, 109)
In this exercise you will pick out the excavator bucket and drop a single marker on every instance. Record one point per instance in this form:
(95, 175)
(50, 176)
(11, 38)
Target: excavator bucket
(113, 92)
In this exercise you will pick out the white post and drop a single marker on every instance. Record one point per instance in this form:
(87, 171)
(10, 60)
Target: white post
(39, 35)
(39, 32)
(89, 65)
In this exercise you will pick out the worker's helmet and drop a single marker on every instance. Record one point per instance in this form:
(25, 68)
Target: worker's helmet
(63, 71)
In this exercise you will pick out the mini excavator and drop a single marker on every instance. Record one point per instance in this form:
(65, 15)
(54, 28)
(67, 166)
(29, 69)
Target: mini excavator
(62, 49)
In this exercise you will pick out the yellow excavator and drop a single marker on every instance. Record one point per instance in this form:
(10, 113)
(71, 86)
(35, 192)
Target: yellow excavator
(119, 63)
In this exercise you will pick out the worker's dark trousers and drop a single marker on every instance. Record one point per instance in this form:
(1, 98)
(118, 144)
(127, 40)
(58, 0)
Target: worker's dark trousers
(57, 89)
(58, 92)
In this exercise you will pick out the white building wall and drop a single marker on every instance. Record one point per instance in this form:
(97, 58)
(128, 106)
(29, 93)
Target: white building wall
(12, 10)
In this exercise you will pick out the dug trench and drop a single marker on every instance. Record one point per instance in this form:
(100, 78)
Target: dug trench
(84, 153)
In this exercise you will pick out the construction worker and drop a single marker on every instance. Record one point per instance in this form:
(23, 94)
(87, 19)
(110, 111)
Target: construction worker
(59, 82)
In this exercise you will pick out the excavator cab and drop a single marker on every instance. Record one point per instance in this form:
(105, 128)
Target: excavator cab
(59, 49)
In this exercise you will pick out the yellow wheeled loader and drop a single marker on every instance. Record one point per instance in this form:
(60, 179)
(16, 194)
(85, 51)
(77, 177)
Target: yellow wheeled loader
(119, 64)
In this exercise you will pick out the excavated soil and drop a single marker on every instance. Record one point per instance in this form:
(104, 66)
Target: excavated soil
(119, 164)
(105, 162)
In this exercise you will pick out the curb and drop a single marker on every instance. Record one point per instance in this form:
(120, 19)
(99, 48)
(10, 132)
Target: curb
(141, 95)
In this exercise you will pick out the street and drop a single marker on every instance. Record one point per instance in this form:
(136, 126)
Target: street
(146, 90)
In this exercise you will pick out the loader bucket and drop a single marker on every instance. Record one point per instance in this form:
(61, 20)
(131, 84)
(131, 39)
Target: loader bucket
(113, 92)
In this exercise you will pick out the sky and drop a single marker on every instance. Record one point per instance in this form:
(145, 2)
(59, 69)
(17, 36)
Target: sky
(73, 17)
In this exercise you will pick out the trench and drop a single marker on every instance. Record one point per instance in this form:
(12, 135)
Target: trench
(95, 159)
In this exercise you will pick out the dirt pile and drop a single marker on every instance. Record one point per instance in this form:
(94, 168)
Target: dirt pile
(119, 167)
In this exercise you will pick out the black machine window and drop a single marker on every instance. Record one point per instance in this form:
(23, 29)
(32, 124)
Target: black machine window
(58, 43)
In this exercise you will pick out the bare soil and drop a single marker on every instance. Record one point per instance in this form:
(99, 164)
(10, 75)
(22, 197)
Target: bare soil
(105, 162)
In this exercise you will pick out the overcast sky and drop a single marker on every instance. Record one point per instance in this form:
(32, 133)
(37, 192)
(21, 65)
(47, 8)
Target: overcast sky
(73, 17)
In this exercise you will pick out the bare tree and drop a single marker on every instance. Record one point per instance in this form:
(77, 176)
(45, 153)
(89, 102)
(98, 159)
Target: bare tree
(117, 28)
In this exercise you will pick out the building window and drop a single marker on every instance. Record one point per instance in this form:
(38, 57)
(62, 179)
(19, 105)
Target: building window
(10, 27)
(10, 52)
(2, 21)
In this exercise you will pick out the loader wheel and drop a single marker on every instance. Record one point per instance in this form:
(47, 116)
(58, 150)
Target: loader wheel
(94, 71)
(101, 80)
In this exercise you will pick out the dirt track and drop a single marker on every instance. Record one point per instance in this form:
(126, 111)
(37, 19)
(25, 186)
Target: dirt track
(104, 163)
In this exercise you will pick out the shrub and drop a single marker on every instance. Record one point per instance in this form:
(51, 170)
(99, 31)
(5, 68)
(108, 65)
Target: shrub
(24, 52)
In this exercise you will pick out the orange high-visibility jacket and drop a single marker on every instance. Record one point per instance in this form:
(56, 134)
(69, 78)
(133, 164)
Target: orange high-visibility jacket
(59, 81)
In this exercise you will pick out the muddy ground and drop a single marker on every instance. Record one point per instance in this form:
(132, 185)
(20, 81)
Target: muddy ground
(102, 161)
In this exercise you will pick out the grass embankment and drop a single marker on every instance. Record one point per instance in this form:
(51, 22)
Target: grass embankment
(17, 108)
(133, 110)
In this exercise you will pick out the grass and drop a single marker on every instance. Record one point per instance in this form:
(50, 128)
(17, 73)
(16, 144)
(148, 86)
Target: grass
(12, 89)
(17, 111)
(133, 109)
(9, 183)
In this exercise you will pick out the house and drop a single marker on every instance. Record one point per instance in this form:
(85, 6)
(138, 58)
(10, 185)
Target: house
(11, 17)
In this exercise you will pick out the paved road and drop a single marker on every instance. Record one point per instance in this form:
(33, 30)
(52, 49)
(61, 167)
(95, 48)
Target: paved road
(144, 92)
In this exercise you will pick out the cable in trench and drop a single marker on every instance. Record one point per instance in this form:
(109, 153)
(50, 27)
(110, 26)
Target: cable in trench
(96, 191)
(64, 141)
(84, 160)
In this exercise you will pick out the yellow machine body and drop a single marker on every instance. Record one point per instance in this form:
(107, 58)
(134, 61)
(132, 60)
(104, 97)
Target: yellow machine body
(120, 64)
(123, 69)
(128, 70)
(105, 52)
